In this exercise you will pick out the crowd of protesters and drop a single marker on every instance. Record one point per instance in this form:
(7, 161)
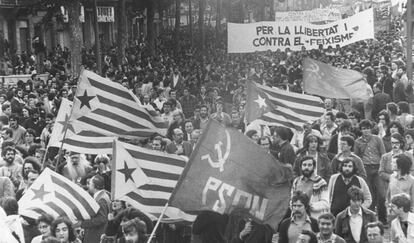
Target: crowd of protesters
(352, 167)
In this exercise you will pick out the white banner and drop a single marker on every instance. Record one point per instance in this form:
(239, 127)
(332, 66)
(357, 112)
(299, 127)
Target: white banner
(310, 16)
(264, 36)
(12, 80)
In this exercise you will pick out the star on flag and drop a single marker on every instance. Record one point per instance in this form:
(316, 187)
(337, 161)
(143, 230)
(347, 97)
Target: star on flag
(260, 101)
(66, 124)
(85, 99)
(127, 172)
(40, 193)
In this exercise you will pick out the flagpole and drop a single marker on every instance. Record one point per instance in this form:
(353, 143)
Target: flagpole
(46, 153)
(409, 40)
(66, 124)
(158, 223)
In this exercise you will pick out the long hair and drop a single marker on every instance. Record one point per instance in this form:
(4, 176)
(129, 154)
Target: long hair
(79, 170)
(66, 221)
(398, 125)
(137, 225)
(308, 140)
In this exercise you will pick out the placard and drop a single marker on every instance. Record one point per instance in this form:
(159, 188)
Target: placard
(264, 36)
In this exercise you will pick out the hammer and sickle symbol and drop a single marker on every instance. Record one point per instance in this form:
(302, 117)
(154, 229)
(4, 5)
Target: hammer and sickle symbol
(221, 158)
(314, 70)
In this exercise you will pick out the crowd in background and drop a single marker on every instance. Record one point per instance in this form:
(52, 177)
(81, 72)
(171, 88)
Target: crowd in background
(350, 166)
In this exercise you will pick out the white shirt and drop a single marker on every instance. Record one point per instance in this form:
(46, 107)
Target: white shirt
(397, 235)
(95, 195)
(355, 223)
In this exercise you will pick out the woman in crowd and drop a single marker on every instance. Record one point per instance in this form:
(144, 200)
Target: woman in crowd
(62, 229)
(43, 225)
(134, 231)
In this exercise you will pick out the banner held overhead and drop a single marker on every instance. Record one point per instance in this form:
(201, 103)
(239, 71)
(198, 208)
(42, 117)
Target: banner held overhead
(264, 36)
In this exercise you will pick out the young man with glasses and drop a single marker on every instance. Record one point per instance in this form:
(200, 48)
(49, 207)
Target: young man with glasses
(388, 168)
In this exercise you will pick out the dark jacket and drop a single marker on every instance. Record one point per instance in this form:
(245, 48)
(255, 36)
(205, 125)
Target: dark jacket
(284, 153)
(284, 227)
(398, 92)
(380, 101)
(187, 148)
(261, 233)
(323, 165)
(95, 226)
(113, 227)
(343, 229)
(210, 226)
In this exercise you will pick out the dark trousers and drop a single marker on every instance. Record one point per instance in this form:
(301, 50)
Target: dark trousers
(378, 198)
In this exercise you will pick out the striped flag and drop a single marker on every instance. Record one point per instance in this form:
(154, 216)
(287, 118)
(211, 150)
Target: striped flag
(108, 108)
(276, 107)
(162, 172)
(56, 195)
(86, 142)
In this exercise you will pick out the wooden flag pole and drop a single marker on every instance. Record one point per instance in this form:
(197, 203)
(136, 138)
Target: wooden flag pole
(409, 40)
(158, 223)
(66, 124)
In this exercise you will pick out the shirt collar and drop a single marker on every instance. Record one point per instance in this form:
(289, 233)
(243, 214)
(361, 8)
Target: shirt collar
(359, 212)
(331, 238)
(402, 177)
(307, 219)
(311, 178)
(96, 194)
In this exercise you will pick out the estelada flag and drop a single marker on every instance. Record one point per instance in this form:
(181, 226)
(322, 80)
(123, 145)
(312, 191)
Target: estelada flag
(54, 194)
(276, 107)
(328, 81)
(227, 171)
(108, 108)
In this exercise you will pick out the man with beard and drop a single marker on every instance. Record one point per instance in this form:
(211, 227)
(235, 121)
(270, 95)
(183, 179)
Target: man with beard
(341, 182)
(313, 185)
(350, 223)
(201, 123)
(76, 167)
(291, 228)
(326, 224)
(346, 143)
(11, 169)
(178, 145)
